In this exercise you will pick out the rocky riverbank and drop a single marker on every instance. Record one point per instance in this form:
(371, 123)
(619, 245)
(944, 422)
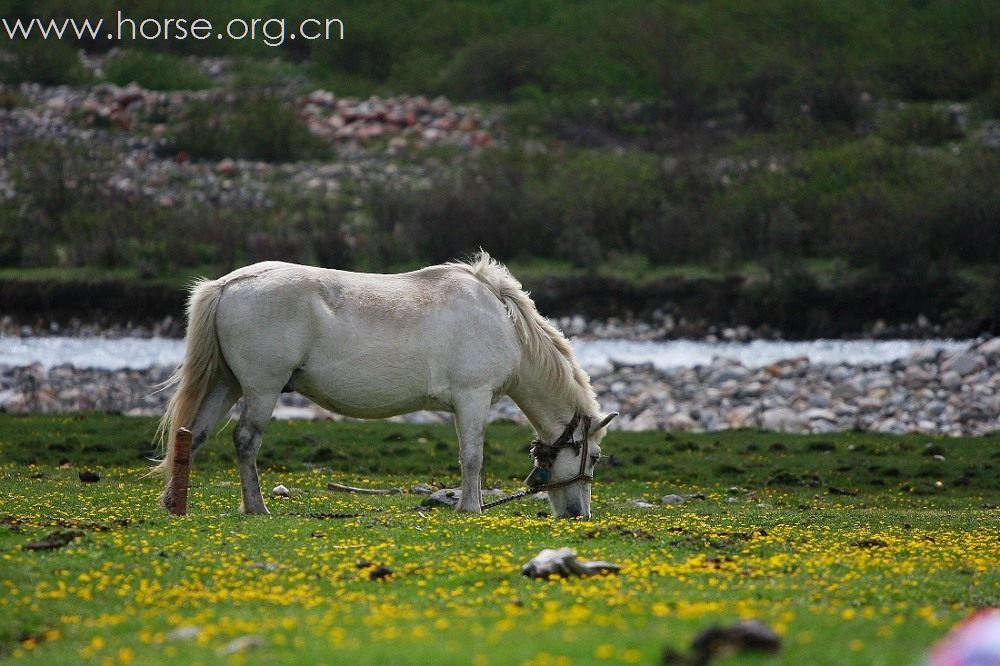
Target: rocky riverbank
(933, 392)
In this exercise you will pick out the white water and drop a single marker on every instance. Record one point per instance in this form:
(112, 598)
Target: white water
(689, 353)
(117, 353)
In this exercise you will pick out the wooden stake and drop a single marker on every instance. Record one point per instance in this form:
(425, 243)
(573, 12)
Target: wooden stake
(180, 473)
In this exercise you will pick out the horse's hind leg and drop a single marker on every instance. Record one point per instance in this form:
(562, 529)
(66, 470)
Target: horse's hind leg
(247, 437)
(217, 403)
(220, 398)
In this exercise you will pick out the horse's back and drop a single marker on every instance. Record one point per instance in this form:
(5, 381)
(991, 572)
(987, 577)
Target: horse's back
(427, 332)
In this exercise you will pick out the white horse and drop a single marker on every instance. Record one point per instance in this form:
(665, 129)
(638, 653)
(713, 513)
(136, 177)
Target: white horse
(453, 337)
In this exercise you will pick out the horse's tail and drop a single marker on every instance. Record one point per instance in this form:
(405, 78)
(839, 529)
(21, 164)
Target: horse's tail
(202, 366)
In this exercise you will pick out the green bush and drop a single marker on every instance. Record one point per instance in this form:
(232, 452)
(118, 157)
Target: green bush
(67, 213)
(918, 123)
(256, 126)
(156, 71)
(51, 63)
(482, 203)
(496, 68)
(598, 201)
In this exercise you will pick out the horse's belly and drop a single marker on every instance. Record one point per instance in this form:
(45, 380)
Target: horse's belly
(364, 396)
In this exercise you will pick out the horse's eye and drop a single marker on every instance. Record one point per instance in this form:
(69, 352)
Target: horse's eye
(595, 459)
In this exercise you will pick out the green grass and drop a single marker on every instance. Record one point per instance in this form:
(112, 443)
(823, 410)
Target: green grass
(874, 576)
(156, 71)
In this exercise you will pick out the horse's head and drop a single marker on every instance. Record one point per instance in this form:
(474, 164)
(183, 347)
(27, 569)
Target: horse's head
(565, 468)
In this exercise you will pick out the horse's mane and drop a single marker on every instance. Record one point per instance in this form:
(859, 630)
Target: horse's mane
(547, 348)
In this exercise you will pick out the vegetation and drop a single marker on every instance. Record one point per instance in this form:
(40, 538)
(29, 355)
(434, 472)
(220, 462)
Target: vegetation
(807, 533)
(156, 71)
(257, 127)
(696, 57)
(721, 135)
(48, 63)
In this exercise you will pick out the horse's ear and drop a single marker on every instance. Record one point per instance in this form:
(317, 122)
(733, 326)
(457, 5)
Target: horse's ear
(605, 420)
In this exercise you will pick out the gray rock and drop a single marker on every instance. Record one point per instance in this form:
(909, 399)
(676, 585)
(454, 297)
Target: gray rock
(914, 376)
(822, 427)
(240, 644)
(680, 422)
(951, 379)
(450, 497)
(673, 499)
(783, 419)
(641, 504)
(817, 413)
(990, 349)
(644, 421)
(183, 633)
(964, 363)
(848, 390)
(730, 373)
(447, 497)
(741, 417)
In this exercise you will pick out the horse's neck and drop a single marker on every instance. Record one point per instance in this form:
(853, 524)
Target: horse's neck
(545, 406)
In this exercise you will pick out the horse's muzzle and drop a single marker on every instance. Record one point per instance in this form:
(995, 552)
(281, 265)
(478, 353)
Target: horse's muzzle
(574, 511)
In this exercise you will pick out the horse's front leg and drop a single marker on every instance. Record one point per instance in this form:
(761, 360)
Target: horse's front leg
(471, 413)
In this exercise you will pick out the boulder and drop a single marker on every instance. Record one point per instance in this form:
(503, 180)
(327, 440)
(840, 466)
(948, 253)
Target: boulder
(783, 419)
(964, 363)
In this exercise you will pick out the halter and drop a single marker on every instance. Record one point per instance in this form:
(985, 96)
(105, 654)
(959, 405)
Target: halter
(545, 454)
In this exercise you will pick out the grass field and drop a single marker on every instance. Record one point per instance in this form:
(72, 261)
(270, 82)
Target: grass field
(846, 544)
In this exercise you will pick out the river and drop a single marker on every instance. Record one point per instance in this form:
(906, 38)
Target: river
(139, 353)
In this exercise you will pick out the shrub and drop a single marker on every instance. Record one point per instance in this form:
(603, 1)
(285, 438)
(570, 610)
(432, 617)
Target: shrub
(50, 63)
(918, 123)
(598, 201)
(156, 71)
(257, 126)
(68, 214)
(497, 67)
(481, 203)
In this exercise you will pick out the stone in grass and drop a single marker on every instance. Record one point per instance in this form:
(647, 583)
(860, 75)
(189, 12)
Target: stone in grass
(562, 562)
(183, 633)
(90, 477)
(380, 572)
(240, 644)
(673, 499)
(449, 497)
(641, 503)
(716, 640)
(281, 491)
(56, 539)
